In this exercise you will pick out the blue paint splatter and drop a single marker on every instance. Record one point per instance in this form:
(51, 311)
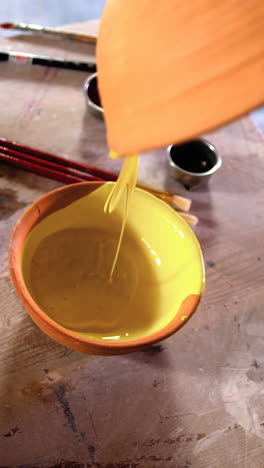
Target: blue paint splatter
(64, 402)
(92, 454)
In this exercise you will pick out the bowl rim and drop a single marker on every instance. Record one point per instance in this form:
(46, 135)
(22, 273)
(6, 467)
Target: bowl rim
(90, 103)
(51, 327)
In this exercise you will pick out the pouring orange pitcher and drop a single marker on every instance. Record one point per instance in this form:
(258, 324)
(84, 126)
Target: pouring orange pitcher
(171, 70)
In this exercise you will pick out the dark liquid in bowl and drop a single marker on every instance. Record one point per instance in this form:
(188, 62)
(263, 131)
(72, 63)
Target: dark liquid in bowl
(193, 156)
(93, 93)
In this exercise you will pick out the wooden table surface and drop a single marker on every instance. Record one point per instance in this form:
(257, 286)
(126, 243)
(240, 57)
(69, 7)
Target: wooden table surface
(195, 400)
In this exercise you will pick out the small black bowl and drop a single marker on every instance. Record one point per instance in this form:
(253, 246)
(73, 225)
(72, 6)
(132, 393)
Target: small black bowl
(92, 96)
(193, 162)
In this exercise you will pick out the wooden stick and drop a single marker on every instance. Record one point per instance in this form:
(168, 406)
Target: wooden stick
(77, 169)
(44, 156)
(35, 28)
(39, 169)
(55, 172)
(47, 164)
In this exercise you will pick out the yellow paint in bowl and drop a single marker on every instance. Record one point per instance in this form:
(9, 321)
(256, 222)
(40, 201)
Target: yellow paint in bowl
(67, 257)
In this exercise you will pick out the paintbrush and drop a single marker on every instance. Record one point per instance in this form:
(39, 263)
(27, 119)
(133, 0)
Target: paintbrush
(45, 61)
(178, 202)
(70, 171)
(49, 31)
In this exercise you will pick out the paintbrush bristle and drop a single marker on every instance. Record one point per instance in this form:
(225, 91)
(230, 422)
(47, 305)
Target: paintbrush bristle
(190, 219)
(181, 203)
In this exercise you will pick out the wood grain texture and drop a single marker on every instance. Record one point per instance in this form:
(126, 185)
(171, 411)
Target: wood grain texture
(182, 68)
(195, 400)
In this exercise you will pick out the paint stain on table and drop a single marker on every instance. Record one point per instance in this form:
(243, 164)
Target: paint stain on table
(68, 413)
(152, 350)
(9, 203)
(210, 263)
(12, 432)
(63, 400)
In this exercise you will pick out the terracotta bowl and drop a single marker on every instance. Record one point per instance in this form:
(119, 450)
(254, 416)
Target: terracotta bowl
(160, 220)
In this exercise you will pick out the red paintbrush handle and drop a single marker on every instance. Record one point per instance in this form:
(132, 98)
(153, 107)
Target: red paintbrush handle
(47, 164)
(57, 159)
(42, 170)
